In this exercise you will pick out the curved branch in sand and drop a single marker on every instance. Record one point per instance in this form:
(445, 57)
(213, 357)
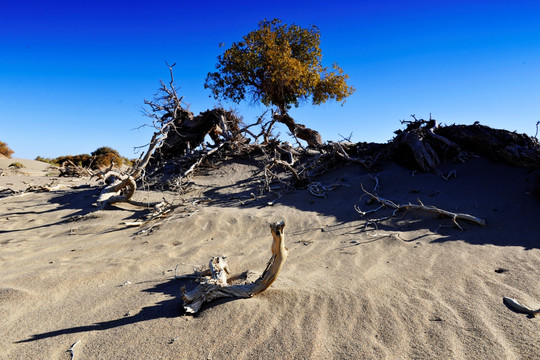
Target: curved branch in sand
(217, 286)
(419, 206)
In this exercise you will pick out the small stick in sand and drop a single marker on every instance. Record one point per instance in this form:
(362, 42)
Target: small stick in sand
(72, 350)
(514, 305)
(218, 287)
(320, 190)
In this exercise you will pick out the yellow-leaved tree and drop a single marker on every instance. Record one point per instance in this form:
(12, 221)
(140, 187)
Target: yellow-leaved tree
(5, 150)
(279, 65)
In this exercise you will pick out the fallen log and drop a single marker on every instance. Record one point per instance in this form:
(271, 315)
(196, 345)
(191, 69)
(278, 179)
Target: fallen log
(218, 285)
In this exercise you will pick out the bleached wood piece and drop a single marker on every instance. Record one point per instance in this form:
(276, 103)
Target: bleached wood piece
(72, 350)
(201, 159)
(513, 304)
(319, 190)
(217, 285)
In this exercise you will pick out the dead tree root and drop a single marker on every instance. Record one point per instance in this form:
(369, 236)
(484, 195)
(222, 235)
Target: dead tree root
(217, 285)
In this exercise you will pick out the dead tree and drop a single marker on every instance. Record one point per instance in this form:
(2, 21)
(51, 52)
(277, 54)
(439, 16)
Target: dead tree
(418, 146)
(499, 145)
(424, 144)
(166, 109)
(178, 133)
(214, 284)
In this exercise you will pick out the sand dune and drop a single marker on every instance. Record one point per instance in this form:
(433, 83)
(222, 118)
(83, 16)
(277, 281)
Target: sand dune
(415, 287)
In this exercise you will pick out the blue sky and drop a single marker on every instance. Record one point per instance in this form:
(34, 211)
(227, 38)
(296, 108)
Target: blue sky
(73, 76)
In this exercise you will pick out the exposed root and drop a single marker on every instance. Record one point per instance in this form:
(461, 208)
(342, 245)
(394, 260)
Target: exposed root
(217, 285)
(319, 190)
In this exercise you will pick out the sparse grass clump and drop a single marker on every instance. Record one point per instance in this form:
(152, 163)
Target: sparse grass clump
(16, 165)
(46, 160)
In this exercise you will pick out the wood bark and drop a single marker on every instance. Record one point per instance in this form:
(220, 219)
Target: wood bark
(188, 131)
(312, 137)
(218, 285)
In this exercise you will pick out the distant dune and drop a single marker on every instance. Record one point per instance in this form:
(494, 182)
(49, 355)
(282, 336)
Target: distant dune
(31, 165)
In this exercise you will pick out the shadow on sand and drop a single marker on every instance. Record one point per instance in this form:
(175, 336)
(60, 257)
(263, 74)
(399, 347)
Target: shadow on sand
(496, 192)
(170, 308)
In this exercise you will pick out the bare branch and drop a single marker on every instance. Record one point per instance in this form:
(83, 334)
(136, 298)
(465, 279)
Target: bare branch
(419, 206)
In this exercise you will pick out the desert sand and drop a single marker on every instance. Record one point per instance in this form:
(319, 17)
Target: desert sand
(414, 287)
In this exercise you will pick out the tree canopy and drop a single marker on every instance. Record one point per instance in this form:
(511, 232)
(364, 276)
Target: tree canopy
(279, 65)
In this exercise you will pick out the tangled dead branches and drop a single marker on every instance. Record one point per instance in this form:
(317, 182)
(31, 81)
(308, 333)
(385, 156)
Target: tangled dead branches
(423, 145)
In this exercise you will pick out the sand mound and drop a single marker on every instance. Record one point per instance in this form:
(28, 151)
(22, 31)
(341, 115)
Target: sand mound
(29, 165)
(413, 286)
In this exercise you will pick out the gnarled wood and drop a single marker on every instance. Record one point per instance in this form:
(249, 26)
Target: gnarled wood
(217, 286)
(69, 168)
(411, 149)
(312, 137)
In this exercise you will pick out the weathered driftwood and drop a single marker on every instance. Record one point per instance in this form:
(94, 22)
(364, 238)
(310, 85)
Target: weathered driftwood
(7, 192)
(514, 305)
(319, 190)
(419, 206)
(120, 188)
(72, 350)
(218, 285)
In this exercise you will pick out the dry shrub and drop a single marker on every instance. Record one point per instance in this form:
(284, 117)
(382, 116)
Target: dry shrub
(5, 150)
(83, 160)
(99, 159)
(104, 156)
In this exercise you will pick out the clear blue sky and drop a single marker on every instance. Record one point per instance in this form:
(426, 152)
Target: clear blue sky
(73, 75)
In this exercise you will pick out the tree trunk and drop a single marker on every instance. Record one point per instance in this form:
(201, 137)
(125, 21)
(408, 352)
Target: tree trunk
(312, 137)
